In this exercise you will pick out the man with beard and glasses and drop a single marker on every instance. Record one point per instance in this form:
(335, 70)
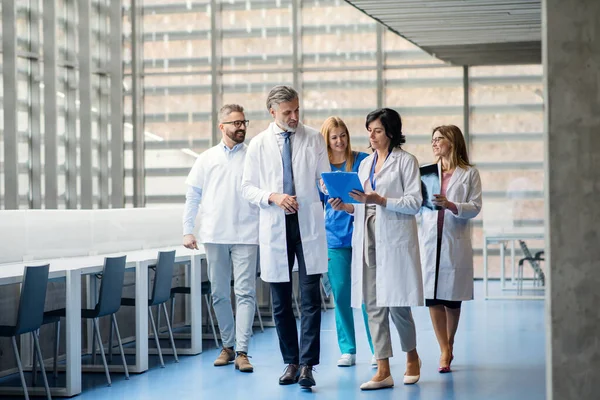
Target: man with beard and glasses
(229, 232)
(283, 165)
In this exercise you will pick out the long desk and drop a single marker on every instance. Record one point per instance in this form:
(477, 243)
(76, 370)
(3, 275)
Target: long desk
(501, 238)
(72, 269)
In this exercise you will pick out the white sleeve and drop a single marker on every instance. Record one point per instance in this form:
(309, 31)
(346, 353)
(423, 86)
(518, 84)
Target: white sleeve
(251, 190)
(412, 200)
(193, 197)
(322, 158)
(196, 176)
(472, 207)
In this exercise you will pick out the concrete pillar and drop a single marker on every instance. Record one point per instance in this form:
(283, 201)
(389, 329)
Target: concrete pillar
(571, 54)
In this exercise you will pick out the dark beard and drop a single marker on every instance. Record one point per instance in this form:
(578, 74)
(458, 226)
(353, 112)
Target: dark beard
(233, 136)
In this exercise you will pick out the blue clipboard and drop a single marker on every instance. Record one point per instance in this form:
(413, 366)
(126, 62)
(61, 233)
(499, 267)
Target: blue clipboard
(340, 184)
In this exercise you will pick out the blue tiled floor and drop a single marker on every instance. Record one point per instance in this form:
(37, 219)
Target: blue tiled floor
(499, 354)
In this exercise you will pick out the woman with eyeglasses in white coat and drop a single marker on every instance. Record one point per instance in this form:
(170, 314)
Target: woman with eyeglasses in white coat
(445, 238)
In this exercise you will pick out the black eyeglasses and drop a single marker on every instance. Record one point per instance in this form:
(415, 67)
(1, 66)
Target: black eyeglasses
(237, 124)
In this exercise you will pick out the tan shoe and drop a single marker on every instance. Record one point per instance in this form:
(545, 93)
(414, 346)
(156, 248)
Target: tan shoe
(226, 356)
(242, 363)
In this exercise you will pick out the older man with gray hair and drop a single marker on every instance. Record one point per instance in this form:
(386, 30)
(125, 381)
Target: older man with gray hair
(229, 232)
(283, 165)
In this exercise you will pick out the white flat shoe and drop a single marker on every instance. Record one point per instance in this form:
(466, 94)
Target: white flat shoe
(347, 360)
(412, 379)
(372, 385)
(373, 362)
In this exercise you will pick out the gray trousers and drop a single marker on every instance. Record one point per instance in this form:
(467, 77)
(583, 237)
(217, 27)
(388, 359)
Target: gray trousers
(379, 323)
(221, 258)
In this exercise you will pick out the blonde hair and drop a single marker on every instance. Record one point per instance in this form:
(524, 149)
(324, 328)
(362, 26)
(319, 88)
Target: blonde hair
(458, 149)
(333, 123)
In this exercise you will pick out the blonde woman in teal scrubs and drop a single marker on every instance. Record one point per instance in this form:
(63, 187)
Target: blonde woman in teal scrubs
(338, 226)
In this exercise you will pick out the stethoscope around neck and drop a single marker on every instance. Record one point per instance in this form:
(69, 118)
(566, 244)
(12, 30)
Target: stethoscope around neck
(372, 174)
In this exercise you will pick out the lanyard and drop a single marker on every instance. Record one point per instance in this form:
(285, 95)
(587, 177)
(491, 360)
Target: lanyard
(372, 174)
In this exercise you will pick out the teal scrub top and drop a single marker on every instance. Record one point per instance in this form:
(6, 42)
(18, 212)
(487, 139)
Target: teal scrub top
(338, 224)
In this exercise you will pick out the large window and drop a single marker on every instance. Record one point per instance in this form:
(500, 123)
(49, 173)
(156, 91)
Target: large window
(165, 82)
(177, 99)
(507, 146)
(57, 67)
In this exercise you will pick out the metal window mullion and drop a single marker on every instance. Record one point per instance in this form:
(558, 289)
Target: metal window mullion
(117, 167)
(50, 107)
(137, 114)
(103, 92)
(71, 112)
(103, 141)
(10, 102)
(466, 107)
(216, 68)
(85, 103)
(297, 50)
(380, 66)
(35, 137)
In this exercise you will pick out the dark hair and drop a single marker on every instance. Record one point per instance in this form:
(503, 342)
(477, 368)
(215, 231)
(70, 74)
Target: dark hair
(392, 122)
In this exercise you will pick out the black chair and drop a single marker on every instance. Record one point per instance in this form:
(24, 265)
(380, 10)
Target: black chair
(109, 302)
(535, 263)
(205, 291)
(29, 318)
(260, 321)
(161, 293)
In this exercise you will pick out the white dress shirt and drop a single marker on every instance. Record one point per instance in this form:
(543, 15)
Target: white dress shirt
(280, 139)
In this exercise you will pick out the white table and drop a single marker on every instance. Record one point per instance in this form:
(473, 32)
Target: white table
(501, 238)
(72, 269)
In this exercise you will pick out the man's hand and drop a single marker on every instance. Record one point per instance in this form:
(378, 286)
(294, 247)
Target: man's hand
(368, 198)
(339, 205)
(190, 242)
(286, 202)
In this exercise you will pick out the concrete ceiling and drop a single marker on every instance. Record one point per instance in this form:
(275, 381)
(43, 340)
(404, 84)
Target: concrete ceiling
(465, 32)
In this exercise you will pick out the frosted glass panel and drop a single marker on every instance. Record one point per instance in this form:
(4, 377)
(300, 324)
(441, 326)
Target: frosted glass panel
(57, 233)
(12, 236)
(49, 234)
(138, 228)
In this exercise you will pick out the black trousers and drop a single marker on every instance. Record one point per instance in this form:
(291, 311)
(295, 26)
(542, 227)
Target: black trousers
(307, 352)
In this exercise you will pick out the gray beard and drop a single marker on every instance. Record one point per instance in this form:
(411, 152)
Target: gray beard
(287, 128)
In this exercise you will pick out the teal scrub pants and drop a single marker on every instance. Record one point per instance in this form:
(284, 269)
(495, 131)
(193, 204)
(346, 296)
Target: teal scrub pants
(341, 282)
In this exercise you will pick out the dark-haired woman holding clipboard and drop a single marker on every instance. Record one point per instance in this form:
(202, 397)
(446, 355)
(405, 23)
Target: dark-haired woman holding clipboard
(386, 269)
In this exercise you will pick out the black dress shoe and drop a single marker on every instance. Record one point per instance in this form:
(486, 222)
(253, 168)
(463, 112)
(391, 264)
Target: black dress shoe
(290, 376)
(306, 377)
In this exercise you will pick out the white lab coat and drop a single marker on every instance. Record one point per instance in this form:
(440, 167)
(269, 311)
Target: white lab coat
(399, 281)
(455, 278)
(263, 175)
(225, 216)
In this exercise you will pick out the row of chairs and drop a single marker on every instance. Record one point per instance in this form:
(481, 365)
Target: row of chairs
(31, 315)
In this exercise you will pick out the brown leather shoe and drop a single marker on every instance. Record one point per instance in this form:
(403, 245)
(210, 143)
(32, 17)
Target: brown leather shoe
(226, 356)
(242, 363)
(290, 376)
